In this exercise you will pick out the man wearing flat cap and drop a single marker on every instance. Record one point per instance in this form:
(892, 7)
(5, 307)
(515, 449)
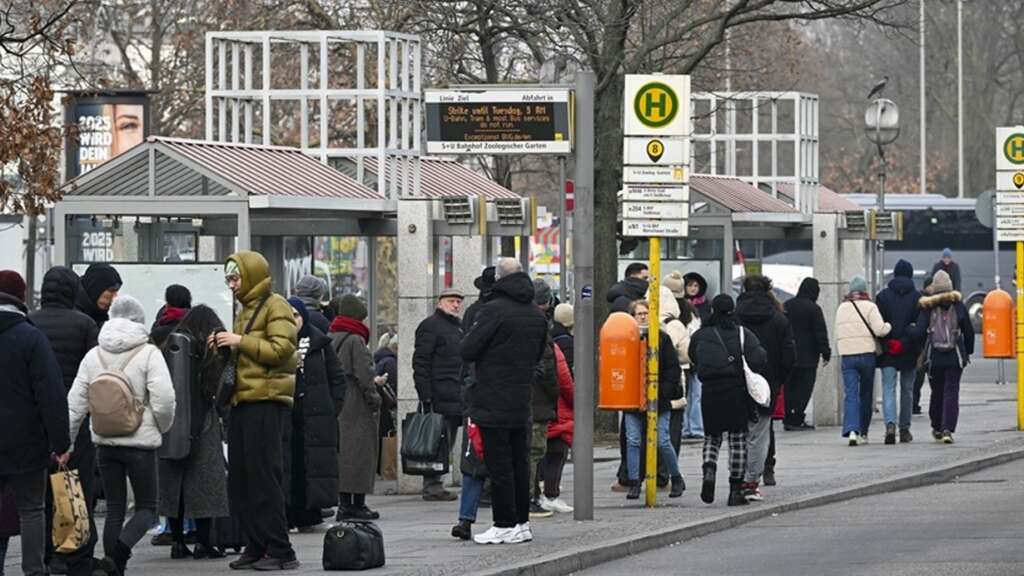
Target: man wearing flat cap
(437, 373)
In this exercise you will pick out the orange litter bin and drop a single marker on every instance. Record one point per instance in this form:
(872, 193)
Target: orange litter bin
(997, 325)
(622, 364)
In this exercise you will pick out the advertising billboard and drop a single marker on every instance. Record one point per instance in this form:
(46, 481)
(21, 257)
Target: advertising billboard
(107, 124)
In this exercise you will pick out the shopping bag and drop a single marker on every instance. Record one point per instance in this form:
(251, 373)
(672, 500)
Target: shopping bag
(70, 514)
(424, 445)
(389, 457)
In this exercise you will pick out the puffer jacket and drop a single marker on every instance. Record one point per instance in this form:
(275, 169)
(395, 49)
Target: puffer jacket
(150, 382)
(267, 353)
(563, 427)
(668, 313)
(898, 304)
(958, 358)
(852, 335)
(70, 332)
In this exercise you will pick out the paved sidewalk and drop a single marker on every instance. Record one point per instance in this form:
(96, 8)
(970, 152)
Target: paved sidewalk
(814, 467)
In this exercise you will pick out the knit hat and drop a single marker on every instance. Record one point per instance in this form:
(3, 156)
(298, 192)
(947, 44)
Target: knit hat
(541, 292)
(723, 304)
(941, 283)
(311, 289)
(675, 283)
(99, 278)
(858, 284)
(128, 308)
(177, 296)
(947, 253)
(12, 283)
(300, 307)
(564, 315)
(485, 281)
(350, 306)
(903, 269)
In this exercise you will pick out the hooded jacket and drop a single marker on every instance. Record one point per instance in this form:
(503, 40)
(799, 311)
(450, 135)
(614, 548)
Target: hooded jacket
(563, 426)
(672, 324)
(98, 278)
(147, 372)
(33, 408)
(437, 363)
(958, 358)
(266, 353)
(808, 324)
(70, 332)
(622, 293)
(759, 312)
(700, 302)
(898, 304)
(506, 343)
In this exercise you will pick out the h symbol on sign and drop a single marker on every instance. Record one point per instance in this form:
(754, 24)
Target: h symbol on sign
(661, 103)
(1016, 147)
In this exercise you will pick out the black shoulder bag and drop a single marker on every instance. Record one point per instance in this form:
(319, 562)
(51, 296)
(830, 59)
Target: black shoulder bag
(229, 379)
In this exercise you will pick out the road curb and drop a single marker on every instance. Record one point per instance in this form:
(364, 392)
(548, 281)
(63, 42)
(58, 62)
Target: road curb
(583, 557)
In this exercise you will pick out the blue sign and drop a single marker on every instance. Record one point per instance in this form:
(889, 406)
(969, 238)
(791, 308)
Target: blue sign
(587, 292)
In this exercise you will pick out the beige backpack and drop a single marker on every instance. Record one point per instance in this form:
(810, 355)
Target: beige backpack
(113, 406)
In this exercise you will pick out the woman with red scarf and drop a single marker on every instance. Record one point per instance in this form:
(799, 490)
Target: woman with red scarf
(859, 326)
(357, 449)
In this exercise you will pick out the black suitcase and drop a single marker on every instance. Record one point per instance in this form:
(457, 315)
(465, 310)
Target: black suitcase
(353, 546)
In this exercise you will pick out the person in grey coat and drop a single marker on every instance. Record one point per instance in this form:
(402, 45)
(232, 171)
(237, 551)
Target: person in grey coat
(357, 450)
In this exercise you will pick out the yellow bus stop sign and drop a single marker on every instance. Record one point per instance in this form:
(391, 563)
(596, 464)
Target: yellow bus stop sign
(656, 105)
(1013, 149)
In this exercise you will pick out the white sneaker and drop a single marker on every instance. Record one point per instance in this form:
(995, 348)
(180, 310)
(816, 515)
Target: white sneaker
(495, 535)
(853, 437)
(522, 534)
(555, 505)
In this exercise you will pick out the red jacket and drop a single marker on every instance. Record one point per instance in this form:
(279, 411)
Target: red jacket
(563, 426)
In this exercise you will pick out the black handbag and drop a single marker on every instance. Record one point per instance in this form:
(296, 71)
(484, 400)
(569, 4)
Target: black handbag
(229, 378)
(353, 546)
(425, 444)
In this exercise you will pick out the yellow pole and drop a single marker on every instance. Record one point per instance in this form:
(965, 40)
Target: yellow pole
(653, 338)
(1020, 336)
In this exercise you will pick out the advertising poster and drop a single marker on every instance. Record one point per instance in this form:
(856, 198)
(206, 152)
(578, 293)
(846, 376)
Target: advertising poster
(106, 127)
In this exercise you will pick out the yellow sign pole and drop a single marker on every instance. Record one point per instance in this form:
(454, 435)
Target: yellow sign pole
(653, 339)
(1020, 335)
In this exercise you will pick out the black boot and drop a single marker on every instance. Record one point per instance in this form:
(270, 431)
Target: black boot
(678, 485)
(707, 488)
(736, 497)
(463, 530)
(120, 557)
(634, 491)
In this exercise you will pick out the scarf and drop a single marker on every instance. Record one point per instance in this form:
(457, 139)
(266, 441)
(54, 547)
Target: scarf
(698, 300)
(350, 325)
(852, 296)
(171, 315)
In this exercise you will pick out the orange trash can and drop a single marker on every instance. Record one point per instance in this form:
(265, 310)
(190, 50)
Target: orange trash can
(998, 325)
(622, 364)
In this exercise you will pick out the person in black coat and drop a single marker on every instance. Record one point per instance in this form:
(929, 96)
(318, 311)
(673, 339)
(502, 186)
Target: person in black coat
(898, 304)
(716, 355)
(484, 283)
(71, 335)
(759, 310)
(313, 450)
(633, 287)
(505, 344)
(948, 334)
(385, 362)
(812, 346)
(950, 267)
(437, 374)
(100, 285)
(311, 290)
(33, 417)
(177, 303)
(561, 334)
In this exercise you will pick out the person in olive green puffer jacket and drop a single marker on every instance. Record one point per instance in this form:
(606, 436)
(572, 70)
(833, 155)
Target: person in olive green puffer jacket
(261, 412)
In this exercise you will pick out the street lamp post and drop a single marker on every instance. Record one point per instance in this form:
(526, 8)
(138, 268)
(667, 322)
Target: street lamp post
(882, 126)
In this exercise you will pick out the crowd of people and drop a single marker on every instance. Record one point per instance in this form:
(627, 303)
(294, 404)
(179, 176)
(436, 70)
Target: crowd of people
(303, 405)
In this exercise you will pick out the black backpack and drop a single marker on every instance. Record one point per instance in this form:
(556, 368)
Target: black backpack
(353, 546)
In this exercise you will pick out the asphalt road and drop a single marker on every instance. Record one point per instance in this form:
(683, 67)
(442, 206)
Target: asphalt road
(971, 527)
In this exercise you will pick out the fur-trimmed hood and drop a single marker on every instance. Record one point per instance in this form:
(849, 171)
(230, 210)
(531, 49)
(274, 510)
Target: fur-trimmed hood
(939, 299)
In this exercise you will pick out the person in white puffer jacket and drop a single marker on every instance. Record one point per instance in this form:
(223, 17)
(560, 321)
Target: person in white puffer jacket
(125, 338)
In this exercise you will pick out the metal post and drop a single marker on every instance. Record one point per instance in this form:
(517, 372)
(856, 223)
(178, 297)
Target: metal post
(924, 118)
(960, 97)
(563, 231)
(880, 253)
(653, 338)
(1020, 335)
(583, 275)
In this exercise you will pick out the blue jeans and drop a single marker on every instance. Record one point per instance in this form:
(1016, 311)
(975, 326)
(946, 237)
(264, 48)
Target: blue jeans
(693, 423)
(907, 378)
(469, 501)
(858, 385)
(634, 424)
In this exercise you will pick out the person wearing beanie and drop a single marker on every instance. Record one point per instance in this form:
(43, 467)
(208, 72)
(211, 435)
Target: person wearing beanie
(758, 309)
(71, 335)
(561, 333)
(725, 403)
(313, 450)
(359, 418)
(859, 328)
(543, 297)
(898, 304)
(950, 267)
(33, 419)
(812, 348)
(177, 303)
(437, 374)
(311, 290)
(263, 345)
(124, 343)
(100, 285)
(945, 327)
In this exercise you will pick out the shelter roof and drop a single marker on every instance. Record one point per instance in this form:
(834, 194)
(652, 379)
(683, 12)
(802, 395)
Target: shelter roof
(736, 195)
(439, 178)
(828, 200)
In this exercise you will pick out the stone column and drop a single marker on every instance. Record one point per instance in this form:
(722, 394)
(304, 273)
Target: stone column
(415, 302)
(469, 255)
(827, 401)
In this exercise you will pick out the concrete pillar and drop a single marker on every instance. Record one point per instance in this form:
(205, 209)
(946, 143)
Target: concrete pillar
(272, 248)
(728, 256)
(827, 401)
(469, 254)
(415, 302)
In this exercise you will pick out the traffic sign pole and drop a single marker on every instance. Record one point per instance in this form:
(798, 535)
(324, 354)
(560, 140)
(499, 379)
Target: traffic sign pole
(653, 340)
(1020, 335)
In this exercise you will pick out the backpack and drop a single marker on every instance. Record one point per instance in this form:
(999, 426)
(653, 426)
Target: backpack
(944, 329)
(113, 406)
